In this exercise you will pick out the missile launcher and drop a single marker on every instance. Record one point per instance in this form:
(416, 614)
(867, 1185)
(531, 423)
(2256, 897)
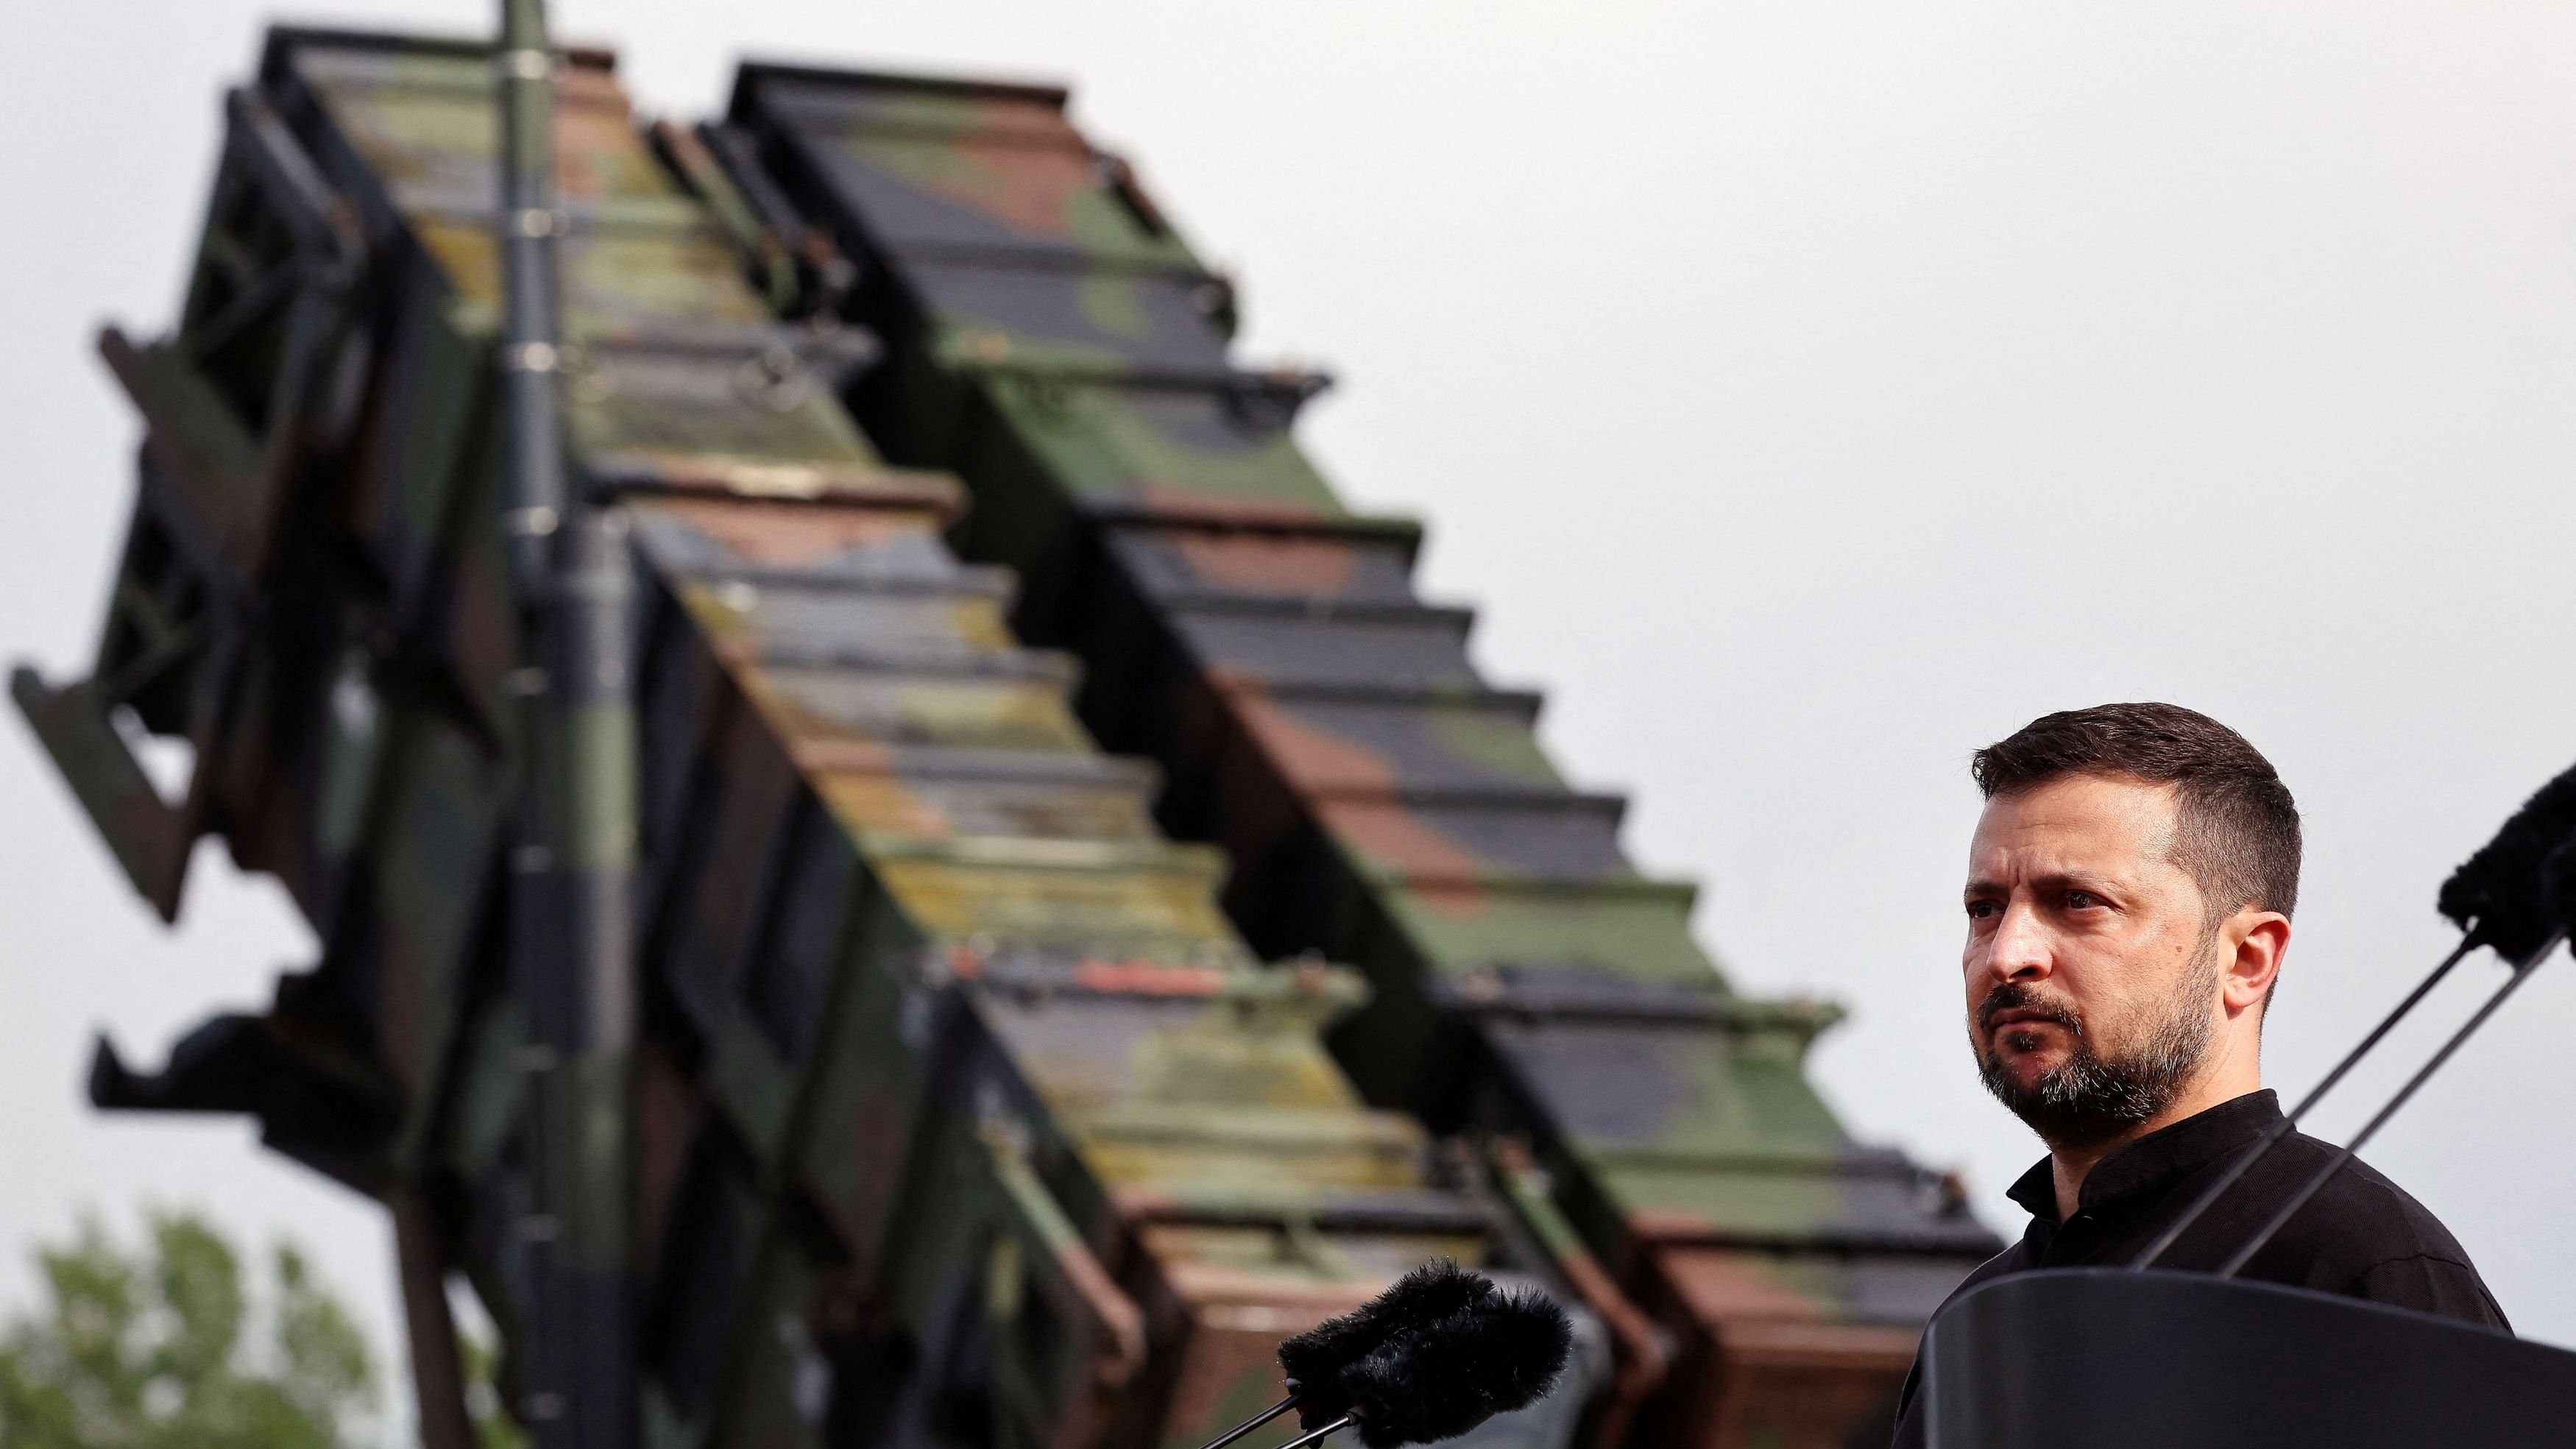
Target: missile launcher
(989, 1086)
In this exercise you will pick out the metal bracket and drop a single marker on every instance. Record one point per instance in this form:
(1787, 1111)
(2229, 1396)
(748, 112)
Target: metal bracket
(1051, 1258)
(150, 837)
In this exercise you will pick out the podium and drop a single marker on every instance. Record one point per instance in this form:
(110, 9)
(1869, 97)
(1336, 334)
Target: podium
(2099, 1358)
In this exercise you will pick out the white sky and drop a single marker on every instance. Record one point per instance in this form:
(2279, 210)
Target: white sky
(1807, 393)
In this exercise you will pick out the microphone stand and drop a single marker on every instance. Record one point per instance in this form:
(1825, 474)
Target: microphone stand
(2522, 972)
(1255, 1422)
(1343, 1422)
(2278, 1130)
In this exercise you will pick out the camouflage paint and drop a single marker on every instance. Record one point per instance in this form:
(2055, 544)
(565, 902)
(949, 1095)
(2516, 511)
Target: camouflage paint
(1379, 801)
(953, 1083)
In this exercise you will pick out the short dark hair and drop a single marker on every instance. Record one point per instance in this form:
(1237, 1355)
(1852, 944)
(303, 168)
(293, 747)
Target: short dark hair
(2236, 830)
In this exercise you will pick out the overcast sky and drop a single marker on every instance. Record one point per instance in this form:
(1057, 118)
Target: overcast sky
(1805, 393)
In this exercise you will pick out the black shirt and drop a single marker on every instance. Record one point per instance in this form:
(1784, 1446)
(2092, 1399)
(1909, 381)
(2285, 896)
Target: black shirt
(2360, 1236)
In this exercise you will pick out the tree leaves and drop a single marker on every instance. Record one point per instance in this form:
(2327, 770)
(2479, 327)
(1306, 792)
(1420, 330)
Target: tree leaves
(163, 1348)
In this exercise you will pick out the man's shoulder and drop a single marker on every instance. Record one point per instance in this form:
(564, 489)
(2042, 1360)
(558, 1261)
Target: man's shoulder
(2363, 1235)
(2359, 1212)
(2015, 1258)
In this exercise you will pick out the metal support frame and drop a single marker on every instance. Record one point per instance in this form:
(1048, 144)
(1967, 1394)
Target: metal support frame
(572, 949)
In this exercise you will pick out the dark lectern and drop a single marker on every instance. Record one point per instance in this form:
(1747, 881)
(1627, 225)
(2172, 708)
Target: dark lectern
(2099, 1358)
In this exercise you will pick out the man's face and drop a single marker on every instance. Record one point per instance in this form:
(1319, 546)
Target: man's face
(2092, 983)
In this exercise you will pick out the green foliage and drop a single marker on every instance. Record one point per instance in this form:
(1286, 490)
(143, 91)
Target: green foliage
(493, 1426)
(163, 1349)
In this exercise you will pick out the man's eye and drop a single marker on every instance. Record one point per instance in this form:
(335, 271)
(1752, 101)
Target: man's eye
(1980, 910)
(2081, 900)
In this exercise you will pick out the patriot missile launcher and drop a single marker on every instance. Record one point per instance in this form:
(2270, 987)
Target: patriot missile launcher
(985, 1087)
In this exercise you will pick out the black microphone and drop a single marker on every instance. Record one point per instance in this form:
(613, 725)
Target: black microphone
(1436, 1354)
(2498, 895)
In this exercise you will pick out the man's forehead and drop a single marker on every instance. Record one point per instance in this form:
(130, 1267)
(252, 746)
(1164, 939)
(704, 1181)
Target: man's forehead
(2097, 823)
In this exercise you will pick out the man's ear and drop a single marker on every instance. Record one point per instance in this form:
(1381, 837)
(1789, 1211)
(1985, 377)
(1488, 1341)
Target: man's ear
(2258, 940)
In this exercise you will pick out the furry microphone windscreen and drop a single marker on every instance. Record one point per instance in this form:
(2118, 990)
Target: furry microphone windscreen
(1444, 1379)
(2558, 890)
(2499, 888)
(1316, 1360)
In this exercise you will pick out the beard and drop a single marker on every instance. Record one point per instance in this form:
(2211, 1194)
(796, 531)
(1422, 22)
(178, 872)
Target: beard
(2095, 1096)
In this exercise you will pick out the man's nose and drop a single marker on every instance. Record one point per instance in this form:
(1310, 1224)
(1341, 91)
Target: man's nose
(2020, 949)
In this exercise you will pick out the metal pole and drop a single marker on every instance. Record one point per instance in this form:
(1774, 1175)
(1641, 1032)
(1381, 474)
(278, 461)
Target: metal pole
(1321, 1434)
(1248, 1425)
(531, 345)
(571, 933)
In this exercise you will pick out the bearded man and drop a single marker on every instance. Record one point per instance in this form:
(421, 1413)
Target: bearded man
(2129, 894)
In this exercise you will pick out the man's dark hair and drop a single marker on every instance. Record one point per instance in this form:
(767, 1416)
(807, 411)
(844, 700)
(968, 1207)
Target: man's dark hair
(2236, 830)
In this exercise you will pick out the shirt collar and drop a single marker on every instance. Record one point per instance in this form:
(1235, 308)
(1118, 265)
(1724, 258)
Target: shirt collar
(2159, 1157)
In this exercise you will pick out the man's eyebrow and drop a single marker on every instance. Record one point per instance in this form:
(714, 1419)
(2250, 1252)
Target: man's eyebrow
(2054, 880)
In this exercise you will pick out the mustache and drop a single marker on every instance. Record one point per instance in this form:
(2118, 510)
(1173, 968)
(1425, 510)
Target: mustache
(2014, 996)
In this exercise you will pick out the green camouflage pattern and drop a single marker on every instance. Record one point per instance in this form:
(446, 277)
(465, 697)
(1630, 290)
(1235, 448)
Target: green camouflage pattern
(962, 1110)
(1059, 347)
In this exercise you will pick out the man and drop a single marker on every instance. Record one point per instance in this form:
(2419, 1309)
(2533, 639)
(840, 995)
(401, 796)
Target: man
(2129, 894)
